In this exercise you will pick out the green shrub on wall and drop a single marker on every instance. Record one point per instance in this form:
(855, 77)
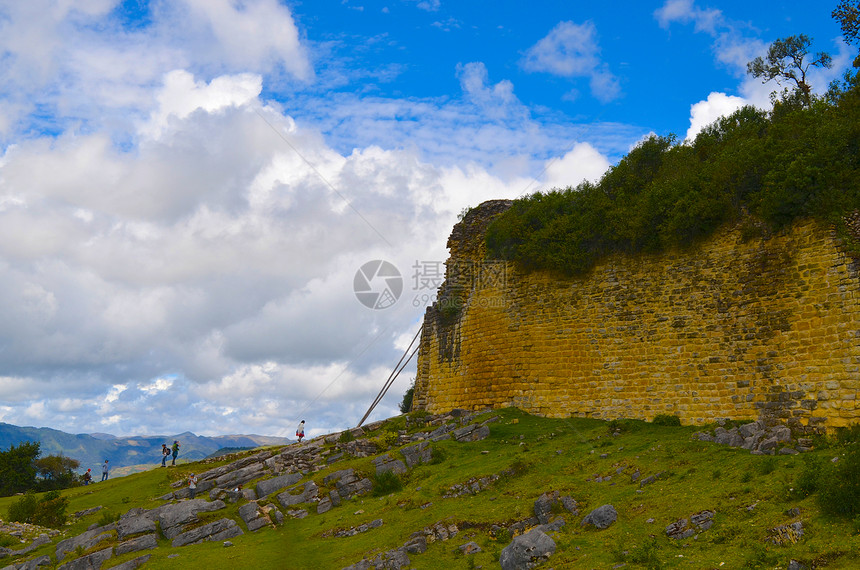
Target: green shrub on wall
(666, 420)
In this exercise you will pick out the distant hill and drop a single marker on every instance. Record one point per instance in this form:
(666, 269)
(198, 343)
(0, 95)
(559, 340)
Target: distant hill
(92, 449)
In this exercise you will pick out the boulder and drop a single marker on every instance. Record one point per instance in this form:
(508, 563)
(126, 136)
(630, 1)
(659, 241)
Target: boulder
(175, 516)
(553, 526)
(86, 540)
(749, 429)
(348, 487)
(679, 530)
(34, 564)
(385, 463)
(253, 516)
(144, 542)
(570, 504)
(127, 526)
(308, 494)
(269, 486)
(703, 520)
(684, 528)
(417, 544)
(88, 562)
(543, 506)
(418, 453)
(601, 517)
(527, 551)
(470, 548)
(324, 505)
(441, 432)
(471, 433)
(219, 530)
(338, 475)
(240, 476)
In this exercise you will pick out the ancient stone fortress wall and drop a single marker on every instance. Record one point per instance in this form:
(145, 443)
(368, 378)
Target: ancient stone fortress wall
(731, 328)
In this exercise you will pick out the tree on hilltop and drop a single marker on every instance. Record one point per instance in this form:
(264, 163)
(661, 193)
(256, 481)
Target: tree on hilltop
(57, 471)
(847, 13)
(17, 468)
(786, 61)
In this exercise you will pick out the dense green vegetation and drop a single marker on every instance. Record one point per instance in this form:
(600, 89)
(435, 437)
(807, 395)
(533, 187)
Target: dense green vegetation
(21, 469)
(762, 169)
(47, 511)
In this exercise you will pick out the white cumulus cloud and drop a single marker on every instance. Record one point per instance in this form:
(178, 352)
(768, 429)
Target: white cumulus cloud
(706, 112)
(572, 50)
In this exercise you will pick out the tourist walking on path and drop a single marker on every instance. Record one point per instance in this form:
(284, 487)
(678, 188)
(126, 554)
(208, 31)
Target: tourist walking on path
(300, 431)
(175, 451)
(165, 453)
(192, 485)
(88, 477)
(105, 470)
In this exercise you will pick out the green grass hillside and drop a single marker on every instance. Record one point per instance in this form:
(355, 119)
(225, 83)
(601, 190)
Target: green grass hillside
(591, 461)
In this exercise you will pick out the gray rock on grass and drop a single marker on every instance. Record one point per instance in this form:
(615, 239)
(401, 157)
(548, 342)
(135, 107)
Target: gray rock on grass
(88, 562)
(219, 530)
(385, 463)
(527, 551)
(419, 453)
(601, 517)
(86, 540)
(144, 542)
(269, 486)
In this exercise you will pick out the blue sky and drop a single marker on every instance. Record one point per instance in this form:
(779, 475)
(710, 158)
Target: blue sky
(188, 187)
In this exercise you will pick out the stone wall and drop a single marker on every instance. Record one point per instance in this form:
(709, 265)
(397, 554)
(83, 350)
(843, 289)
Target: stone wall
(731, 328)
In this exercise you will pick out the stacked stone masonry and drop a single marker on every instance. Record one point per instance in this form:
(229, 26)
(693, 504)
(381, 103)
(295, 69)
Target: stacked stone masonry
(765, 328)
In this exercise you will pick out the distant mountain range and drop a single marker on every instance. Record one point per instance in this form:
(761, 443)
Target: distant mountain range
(123, 452)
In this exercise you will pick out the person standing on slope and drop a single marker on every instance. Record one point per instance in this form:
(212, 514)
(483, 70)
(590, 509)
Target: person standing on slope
(300, 431)
(192, 485)
(175, 451)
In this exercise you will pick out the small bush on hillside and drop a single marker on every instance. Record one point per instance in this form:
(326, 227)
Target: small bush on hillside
(666, 420)
(385, 439)
(767, 466)
(49, 511)
(848, 435)
(517, 468)
(648, 555)
(761, 557)
(438, 456)
(406, 403)
(6, 541)
(346, 437)
(839, 493)
(22, 510)
(108, 518)
(386, 483)
(815, 468)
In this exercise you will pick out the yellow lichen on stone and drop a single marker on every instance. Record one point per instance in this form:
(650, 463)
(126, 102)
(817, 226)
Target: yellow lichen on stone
(727, 329)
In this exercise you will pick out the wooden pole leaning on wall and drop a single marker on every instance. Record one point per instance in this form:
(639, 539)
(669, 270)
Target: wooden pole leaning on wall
(398, 368)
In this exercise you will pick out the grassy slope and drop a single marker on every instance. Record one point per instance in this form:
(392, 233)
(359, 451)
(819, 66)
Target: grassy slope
(547, 455)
